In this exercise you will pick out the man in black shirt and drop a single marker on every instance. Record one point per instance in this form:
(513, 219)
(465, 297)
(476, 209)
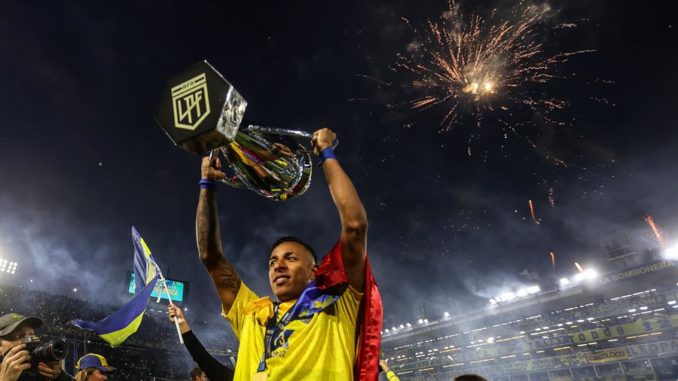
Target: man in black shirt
(214, 370)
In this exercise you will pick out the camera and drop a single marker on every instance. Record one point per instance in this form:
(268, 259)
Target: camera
(54, 350)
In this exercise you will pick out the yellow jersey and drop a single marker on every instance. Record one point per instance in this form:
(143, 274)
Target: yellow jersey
(320, 348)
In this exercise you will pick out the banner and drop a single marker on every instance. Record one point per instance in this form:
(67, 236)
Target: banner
(653, 349)
(607, 355)
(628, 329)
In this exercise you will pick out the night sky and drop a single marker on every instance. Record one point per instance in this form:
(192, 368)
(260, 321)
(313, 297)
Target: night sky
(81, 158)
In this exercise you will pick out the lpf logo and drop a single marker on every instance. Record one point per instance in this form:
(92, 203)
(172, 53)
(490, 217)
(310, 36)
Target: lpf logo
(190, 102)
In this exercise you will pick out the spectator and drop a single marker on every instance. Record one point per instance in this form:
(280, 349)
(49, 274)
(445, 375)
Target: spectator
(198, 375)
(93, 367)
(209, 366)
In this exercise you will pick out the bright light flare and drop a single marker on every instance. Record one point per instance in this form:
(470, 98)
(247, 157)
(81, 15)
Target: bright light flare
(8, 267)
(671, 253)
(590, 274)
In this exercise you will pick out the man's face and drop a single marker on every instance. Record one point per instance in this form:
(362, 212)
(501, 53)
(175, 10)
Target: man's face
(13, 339)
(290, 268)
(97, 375)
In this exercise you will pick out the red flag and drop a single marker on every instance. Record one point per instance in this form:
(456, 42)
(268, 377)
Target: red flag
(331, 273)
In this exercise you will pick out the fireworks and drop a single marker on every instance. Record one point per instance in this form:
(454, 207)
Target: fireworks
(553, 262)
(483, 65)
(579, 267)
(655, 229)
(534, 218)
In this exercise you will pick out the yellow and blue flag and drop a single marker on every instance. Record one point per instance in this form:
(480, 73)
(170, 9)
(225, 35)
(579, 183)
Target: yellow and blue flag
(117, 327)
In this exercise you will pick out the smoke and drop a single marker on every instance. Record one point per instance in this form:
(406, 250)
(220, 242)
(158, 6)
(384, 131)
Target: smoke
(56, 253)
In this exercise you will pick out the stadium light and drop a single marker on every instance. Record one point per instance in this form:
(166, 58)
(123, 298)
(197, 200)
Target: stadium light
(671, 253)
(446, 315)
(490, 340)
(506, 297)
(420, 321)
(408, 325)
(533, 290)
(8, 267)
(564, 281)
(522, 293)
(590, 274)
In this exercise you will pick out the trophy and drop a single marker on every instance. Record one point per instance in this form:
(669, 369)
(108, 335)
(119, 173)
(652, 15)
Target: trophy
(202, 112)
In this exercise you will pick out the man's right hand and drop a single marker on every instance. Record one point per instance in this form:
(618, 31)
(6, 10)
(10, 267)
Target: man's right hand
(211, 168)
(15, 362)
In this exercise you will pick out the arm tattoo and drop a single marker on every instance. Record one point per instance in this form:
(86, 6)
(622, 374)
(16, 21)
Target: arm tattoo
(209, 243)
(225, 275)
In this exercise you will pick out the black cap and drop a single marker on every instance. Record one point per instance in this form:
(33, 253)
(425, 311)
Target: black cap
(9, 323)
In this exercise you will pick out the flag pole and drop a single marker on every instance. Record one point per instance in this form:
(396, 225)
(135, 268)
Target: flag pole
(169, 297)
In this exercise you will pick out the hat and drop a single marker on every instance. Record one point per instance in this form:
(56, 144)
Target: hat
(9, 322)
(94, 360)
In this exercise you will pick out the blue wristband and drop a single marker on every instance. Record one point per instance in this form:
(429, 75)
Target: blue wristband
(208, 184)
(327, 153)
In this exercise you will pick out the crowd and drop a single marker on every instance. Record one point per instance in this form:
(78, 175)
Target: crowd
(153, 353)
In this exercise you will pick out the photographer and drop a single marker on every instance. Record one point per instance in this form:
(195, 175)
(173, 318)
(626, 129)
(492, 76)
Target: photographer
(18, 357)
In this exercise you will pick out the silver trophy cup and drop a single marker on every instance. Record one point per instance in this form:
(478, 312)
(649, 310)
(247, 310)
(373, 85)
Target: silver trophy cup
(202, 112)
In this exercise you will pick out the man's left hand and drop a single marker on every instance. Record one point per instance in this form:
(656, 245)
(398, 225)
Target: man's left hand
(50, 371)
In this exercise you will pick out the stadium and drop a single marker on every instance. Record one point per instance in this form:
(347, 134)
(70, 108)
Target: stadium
(152, 354)
(613, 324)
(618, 324)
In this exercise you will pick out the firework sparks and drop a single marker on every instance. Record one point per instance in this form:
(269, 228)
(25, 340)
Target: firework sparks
(655, 229)
(578, 267)
(534, 218)
(553, 262)
(482, 64)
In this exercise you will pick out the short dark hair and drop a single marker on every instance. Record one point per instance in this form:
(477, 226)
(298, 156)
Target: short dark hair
(469, 377)
(290, 238)
(195, 373)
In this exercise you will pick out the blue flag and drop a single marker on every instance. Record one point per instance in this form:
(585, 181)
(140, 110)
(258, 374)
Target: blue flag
(117, 327)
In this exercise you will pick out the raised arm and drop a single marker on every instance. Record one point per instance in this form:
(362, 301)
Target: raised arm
(223, 274)
(208, 364)
(351, 212)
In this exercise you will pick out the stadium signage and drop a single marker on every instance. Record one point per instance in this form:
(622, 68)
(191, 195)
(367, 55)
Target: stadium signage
(635, 328)
(621, 330)
(652, 267)
(176, 289)
(606, 355)
(653, 349)
(585, 358)
(620, 307)
(553, 341)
